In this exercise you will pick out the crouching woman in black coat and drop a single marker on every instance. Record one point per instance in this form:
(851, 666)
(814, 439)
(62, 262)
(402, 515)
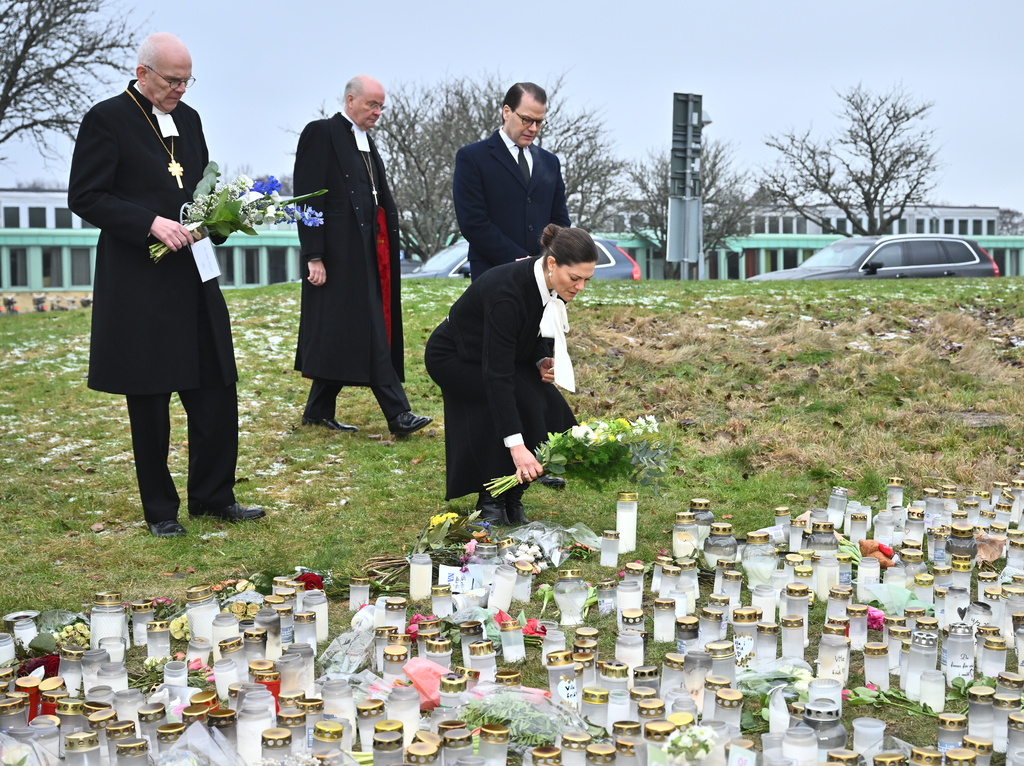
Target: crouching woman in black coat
(491, 358)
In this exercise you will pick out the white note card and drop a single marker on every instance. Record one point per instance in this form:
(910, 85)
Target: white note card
(206, 259)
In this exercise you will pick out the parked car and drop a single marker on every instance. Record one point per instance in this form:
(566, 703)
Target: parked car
(612, 262)
(893, 257)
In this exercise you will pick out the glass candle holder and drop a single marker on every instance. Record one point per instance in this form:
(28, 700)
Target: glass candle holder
(358, 593)
(610, 549)
(513, 647)
(625, 521)
(876, 664)
(421, 570)
(504, 584)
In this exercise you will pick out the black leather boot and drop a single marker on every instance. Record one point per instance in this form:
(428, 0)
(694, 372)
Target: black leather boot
(514, 510)
(492, 509)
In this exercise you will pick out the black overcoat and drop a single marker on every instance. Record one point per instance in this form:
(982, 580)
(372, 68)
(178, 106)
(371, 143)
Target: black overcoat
(341, 321)
(146, 316)
(484, 358)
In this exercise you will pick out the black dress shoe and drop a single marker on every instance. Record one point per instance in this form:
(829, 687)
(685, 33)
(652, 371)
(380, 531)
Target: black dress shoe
(552, 482)
(169, 528)
(233, 512)
(329, 423)
(492, 509)
(407, 423)
(514, 511)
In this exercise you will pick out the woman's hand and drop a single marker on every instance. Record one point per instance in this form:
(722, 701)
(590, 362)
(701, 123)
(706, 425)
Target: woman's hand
(527, 466)
(547, 369)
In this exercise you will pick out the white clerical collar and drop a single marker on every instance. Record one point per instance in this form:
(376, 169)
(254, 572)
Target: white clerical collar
(362, 140)
(163, 119)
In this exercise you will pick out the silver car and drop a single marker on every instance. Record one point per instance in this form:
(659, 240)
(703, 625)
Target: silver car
(893, 257)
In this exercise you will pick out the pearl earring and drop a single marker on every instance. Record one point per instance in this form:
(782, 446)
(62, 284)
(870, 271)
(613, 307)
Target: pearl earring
(551, 273)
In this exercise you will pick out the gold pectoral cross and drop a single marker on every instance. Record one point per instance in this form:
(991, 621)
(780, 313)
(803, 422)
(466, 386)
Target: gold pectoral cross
(175, 169)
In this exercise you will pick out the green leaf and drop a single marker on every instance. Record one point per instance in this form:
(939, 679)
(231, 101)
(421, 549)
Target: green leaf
(43, 642)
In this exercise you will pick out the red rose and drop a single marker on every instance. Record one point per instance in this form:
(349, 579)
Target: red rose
(51, 662)
(311, 581)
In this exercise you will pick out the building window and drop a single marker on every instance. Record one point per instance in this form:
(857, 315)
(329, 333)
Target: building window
(903, 226)
(252, 266)
(841, 225)
(37, 217)
(801, 225)
(62, 218)
(990, 227)
(919, 224)
(949, 226)
(226, 259)
(53, 274)
(976, 226)
(933, 226)
(787, 225)
(12, 217)
(790, 258)
(964, 229)
(773, 225)
(19, 266)
(81, 266)
(277, 265)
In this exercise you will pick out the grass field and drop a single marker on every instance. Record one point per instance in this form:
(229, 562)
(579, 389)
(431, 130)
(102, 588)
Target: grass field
(772, 392)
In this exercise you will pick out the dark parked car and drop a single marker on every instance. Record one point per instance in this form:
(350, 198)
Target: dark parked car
(612, 262)
(893, 257)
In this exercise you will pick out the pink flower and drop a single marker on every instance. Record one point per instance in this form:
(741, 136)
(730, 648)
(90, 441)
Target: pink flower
(846, 694)
(471, 547)
(876, 618)
(179, 655)
(195, 664)
(534, 628)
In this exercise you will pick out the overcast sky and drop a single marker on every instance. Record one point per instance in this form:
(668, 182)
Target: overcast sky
(264, 68)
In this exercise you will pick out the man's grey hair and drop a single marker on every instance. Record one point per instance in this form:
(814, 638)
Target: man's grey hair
(354, 87)
(152, 45)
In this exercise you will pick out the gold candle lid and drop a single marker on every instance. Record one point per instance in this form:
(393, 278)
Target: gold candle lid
(107, 598)
(328, 731)
(674, 661)
(721, 528)
(616, 670)
(122, 729)
(729, 698)
(396, 604)
(627, 497)
(952, 721)
(370, 707)
(229, 645)
(70, 706)
(494, 733)
(961, 756)
(876, 649)
(102, 718)
(388, 724)
(600, 753)
(257, 635)
(170, 732)
(508, 677)
(438, 591)
(1006, 701)
(889, 759)
(548, 755)
(980, 745)
(421, 752)
(792, 621)
(700, 504)
(659, 731)
(290, 717)
(276, 739)
(595, 695)
(387, 741)
(481, 648)
(767, 628)
(225, 717)
(842, 756)
(554, 659)
(198, 592)
(471, 628)
(81, 740)
(981, 693)
(310, 705)
(259, 666)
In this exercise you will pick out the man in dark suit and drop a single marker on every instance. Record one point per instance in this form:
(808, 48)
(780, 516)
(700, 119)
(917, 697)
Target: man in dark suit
(350, 326)
(506, 189)
(157, 328)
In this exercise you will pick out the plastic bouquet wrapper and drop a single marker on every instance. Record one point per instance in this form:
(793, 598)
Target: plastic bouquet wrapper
(894, 599)
(990, 547)
(425, 676)
(201, 745)
(173, 698)
(789, 673)
(349, 652)
(485, 616)
(25, 753)
(533, 720)
(552, 539)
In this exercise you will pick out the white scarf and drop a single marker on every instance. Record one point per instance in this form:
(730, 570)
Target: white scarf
(555, 324)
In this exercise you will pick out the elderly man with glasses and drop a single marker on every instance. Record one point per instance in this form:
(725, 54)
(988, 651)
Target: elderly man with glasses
(506, 188)
(158, 328)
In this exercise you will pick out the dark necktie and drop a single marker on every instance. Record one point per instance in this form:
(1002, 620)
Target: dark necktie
(524, 166)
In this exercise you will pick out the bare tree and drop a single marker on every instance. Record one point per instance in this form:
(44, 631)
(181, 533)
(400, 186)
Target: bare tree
(880, 161)
(427, 123)
(54, 54)
(1010, 222)
(423, 128)
(727, 200)
(595, 179)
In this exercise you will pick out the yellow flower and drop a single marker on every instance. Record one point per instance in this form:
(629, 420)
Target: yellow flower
(179, 628)
(441, 518)
(251, 609)
(238, 608)
(243, 585)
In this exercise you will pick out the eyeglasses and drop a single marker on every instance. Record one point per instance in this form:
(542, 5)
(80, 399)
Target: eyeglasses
(529, 122)
(375, 106)
(173, 82)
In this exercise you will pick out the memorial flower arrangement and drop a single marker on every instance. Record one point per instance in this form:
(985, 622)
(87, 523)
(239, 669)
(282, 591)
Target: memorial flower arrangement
(224, 207)
(690, 745)
(601, 451)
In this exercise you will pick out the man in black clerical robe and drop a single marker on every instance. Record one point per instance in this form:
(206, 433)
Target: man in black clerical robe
(157, 328)
(350, 326)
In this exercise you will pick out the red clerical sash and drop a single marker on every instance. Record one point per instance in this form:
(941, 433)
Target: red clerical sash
(384, 267)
